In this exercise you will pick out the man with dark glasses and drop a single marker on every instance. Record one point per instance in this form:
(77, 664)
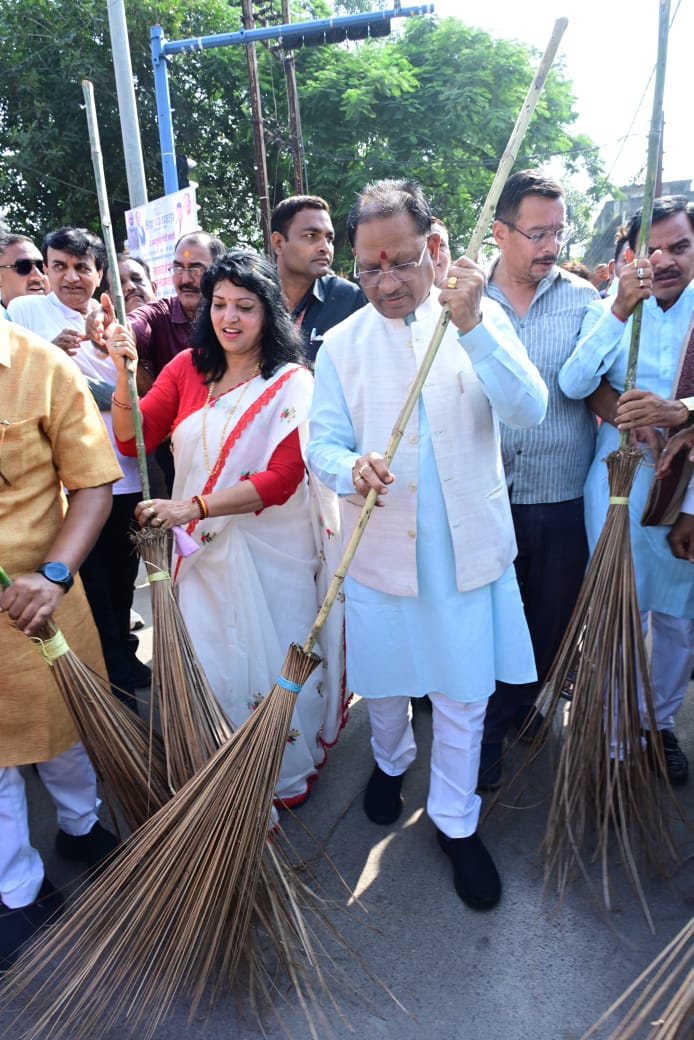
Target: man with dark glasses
(21, 269)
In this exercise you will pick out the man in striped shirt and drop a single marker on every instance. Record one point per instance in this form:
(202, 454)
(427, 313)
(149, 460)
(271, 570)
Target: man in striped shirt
(545, 466)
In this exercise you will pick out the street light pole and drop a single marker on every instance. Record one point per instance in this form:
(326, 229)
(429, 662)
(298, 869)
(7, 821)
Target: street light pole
(127, 105)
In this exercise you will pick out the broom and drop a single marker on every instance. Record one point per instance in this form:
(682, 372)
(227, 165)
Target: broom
(176, 916)
(192, 721)
(126, 757)
(193, 724)
(603, 777)
(663, 1008)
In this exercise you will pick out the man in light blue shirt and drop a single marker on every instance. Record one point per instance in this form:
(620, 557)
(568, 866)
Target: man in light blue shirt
(664, 584)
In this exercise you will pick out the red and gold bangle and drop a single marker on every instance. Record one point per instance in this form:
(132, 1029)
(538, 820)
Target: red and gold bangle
(202, 506)
(119, 404)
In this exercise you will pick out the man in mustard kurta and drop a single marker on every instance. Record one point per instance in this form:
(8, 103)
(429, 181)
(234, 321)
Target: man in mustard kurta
(51, 437)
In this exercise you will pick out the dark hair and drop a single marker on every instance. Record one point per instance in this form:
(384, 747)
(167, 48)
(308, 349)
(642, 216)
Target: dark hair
(121, 258)
(76, 242)
(285, 211)
(280, 343)
(667, 206)
(387, 198)
(215, 245)
(520, 184)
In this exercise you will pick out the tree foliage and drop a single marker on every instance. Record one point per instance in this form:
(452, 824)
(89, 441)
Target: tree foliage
(436, 100)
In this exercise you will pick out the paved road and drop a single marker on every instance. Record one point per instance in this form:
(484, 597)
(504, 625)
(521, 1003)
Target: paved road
(528, 970)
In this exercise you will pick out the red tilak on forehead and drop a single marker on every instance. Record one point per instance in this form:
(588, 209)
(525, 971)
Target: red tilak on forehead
(384, 255)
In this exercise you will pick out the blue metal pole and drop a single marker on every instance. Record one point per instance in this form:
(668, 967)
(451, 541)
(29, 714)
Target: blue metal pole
(161, 88)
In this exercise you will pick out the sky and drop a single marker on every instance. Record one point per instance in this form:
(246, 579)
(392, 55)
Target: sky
(609, 51)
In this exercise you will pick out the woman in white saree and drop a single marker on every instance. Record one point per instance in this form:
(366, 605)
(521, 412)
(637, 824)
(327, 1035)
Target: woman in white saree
(236, 406)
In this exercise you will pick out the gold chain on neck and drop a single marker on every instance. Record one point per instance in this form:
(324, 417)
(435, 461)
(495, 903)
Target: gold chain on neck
(246, 383)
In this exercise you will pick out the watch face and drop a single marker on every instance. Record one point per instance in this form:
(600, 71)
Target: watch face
(57, 572)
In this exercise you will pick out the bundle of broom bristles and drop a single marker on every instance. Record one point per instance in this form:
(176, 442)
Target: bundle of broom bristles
(181, 910)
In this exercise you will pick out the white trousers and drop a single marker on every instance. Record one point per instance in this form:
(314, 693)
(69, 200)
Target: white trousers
(453, 804)
(71, 783)
(672, 659)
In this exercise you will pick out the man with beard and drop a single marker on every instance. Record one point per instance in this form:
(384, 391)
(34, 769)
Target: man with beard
(303, 240)
(664, 583)
(545, 466)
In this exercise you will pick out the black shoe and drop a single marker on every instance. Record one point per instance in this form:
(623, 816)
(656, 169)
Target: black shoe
(475, 877)
(489, 775)
(89, 849)
(382, 800)
(18, 926)
(528, 721)
(676, 764)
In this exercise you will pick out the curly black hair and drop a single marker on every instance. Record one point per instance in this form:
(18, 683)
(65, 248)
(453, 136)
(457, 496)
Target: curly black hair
(281, 342)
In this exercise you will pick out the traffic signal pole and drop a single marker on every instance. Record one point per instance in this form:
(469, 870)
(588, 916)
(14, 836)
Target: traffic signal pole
(293, 34)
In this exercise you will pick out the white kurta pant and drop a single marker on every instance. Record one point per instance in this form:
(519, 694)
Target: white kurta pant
(672, 659)
(453, 804)
(71, 783)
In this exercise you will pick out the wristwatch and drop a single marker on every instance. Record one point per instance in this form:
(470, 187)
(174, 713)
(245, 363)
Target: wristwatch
(58, 573)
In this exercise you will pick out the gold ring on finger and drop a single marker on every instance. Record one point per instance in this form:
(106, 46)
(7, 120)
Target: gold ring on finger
(452, 282)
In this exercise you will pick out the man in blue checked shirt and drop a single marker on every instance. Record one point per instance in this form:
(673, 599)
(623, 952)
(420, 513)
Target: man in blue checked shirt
(545, 466)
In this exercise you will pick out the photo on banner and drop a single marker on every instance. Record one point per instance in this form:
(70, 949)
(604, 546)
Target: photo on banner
(154, 229)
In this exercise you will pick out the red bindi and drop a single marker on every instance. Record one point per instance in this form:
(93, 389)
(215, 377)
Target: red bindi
(384, 255)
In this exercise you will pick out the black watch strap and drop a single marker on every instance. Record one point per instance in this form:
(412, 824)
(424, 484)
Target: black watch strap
(58, 573)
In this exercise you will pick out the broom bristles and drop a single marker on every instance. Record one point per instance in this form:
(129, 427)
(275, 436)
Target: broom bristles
(192, 720)
(604, 792)
(664, 996)
(127, 757)
(172, 913)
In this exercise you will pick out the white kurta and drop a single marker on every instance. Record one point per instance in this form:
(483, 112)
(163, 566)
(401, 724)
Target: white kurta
(439, 639)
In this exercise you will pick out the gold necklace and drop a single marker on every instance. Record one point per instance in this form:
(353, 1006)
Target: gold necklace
(246, 383)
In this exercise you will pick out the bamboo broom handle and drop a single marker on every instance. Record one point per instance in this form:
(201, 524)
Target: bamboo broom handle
(654, 140)
(114, 274)
(507, 160)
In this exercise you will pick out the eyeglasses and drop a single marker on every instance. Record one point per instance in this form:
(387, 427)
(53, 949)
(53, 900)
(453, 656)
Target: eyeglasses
(24, 267)
(400, 272)
(560, 234)
(197, 270)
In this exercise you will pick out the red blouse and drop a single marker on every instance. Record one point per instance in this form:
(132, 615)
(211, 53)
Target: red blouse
(178, 391)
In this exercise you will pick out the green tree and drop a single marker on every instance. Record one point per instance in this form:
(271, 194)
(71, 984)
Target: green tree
(435, 100)
(437, 103)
